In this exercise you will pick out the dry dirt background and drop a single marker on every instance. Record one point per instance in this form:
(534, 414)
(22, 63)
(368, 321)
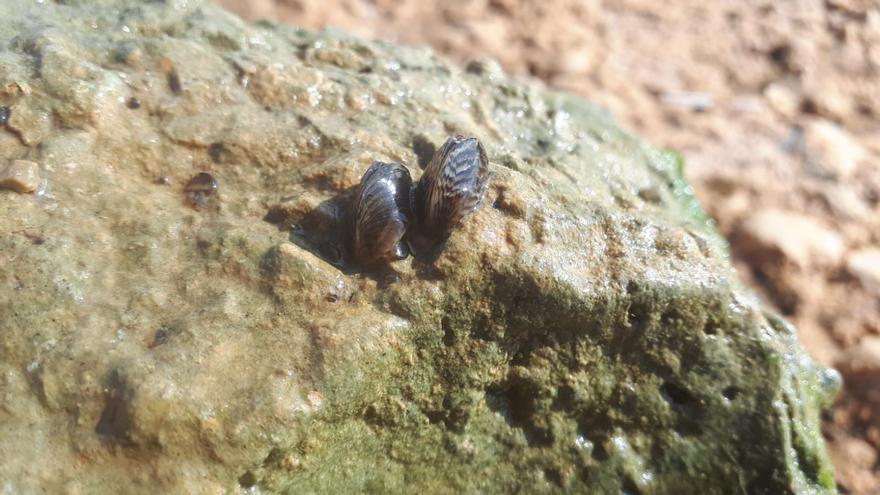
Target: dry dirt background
(775, 105)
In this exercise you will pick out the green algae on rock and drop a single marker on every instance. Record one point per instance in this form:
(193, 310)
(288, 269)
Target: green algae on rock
(584, 333)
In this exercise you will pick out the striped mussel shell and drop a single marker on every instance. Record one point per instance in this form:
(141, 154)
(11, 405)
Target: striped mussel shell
(383, 213)
(452, 187)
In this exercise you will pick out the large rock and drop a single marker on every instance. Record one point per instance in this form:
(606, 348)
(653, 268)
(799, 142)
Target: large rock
(582, 331)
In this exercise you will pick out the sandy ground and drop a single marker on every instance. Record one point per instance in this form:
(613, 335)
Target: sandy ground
(776, 107)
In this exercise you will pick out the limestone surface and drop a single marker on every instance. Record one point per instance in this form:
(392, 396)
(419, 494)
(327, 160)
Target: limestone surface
(583, 331)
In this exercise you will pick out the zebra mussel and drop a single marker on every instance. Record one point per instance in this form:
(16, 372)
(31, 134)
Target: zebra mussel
(383, 213)
(394, 217)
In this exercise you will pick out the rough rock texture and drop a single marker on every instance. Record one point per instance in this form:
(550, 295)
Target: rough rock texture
(582, 331)
(738, 88)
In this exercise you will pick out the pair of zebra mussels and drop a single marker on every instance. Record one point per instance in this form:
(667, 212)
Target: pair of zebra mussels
(394, 218)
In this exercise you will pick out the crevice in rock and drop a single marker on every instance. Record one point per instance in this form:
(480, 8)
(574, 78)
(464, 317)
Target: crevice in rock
(687, 408)
(115, 419)
(731, 393)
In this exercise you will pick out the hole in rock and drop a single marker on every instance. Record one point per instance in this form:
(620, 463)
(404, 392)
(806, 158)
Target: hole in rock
(731, 393)
(448, 332)
(675, 394)
(516, 403)
(629, 487)
(554, 475)
(247, 480)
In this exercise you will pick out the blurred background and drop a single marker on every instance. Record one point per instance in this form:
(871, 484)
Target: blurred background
(775, 105)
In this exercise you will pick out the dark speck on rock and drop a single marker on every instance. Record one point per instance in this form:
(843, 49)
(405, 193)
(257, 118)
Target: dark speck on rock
(174, 82)
(216, 151)
(133, 103)
(202, 182)
(651, 195)
(162, 336)
(200, 188)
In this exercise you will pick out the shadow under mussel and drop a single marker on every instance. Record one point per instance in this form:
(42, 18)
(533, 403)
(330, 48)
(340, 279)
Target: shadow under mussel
(388, 217)
(327, 231)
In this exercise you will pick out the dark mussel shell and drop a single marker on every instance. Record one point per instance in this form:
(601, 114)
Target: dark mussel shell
(383, 213)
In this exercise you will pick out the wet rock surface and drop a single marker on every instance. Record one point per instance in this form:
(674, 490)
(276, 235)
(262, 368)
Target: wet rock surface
(583, 330)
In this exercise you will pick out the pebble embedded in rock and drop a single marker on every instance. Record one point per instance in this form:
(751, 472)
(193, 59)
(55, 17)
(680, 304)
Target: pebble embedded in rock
(33, 124)
(21, 176)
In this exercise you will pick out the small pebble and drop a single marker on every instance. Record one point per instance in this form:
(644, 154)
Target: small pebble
(21, 176)
(133, 103)
(783, 99)
(31, 122)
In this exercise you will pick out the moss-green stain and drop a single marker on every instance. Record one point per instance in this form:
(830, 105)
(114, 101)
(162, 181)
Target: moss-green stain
(541, 390)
